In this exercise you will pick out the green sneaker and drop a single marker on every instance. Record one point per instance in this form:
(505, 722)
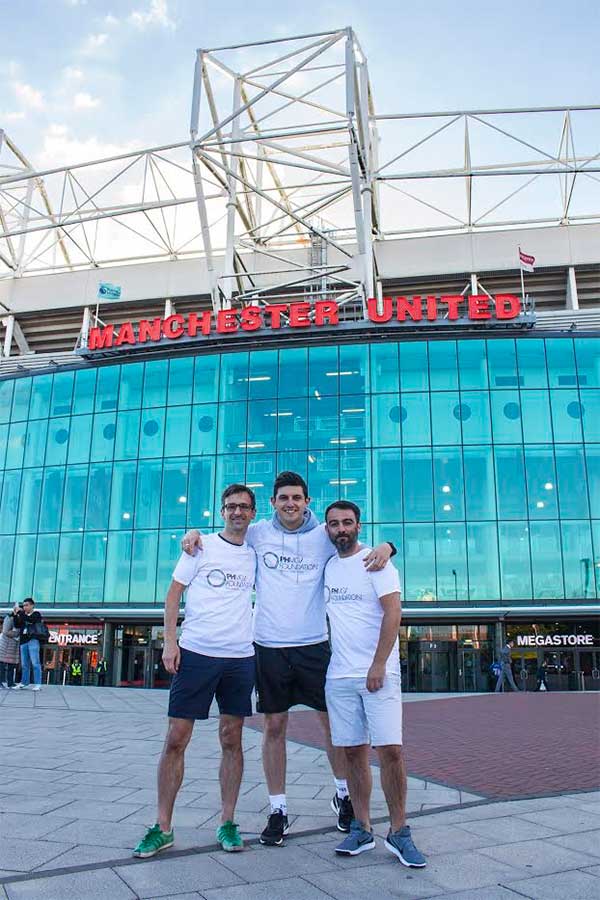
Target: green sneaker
(229, 837)
(153, 842)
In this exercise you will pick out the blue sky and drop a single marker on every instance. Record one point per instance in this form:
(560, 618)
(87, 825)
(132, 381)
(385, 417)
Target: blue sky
(84, 78)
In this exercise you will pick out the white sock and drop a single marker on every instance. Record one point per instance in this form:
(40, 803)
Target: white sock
(278, 801)
(341, 787)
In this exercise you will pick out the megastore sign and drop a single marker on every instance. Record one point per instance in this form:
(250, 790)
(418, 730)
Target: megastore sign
(323, 313)
(555, 640)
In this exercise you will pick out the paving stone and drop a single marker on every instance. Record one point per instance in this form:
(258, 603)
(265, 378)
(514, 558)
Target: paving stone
(540, 857)
(565, 819)
(562, 886)
(506, 830)
(84, 855)
(193, 896)
(467, 871)
(37, 806)
(98, 811)
(15, 825)
(382, 882)
(439, 838)
(286, 889)
(488, 893)
(594, 870)
(177, 876)
(22, 855)
(99, 884)
(184, 815)
(583, 842)
(106, 834)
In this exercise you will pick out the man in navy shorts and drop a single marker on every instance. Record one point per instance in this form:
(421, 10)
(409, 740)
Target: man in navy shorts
(214, 658)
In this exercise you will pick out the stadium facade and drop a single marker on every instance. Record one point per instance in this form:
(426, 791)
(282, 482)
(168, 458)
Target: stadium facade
(406, 370)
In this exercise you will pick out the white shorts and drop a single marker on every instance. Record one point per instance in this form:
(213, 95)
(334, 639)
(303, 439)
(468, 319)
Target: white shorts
(357, 716)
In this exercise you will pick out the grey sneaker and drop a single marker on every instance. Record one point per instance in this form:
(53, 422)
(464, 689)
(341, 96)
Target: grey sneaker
(357, 841)
(400, 843)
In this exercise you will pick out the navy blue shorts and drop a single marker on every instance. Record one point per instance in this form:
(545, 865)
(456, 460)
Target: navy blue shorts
(202, 678)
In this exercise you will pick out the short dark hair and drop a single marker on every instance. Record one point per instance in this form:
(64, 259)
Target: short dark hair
(29, 600)
(292, 479)
(238, 489)
(344, 504)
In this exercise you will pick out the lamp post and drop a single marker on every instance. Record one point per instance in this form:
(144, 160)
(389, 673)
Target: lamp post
(455, 585)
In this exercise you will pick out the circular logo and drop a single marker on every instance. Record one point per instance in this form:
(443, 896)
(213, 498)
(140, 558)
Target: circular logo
(271, 560)
(216, 578)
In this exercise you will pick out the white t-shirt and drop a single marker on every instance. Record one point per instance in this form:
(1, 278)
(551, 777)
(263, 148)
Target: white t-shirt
(355, 614)
(290, 608)
(218, 603)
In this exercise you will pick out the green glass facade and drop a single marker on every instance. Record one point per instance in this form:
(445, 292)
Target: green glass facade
(480, 459)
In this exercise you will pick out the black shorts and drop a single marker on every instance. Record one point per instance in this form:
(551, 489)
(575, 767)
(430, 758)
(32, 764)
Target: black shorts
(202, 678)
(286, 676)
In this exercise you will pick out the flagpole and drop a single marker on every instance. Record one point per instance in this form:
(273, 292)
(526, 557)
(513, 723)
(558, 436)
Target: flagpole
(522, 281)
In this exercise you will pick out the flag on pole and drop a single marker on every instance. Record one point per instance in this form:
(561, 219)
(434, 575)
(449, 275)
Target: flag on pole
(526, 261)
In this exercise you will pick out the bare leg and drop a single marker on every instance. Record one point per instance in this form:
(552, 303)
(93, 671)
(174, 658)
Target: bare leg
(335, 755)
(170, 768)
(393, 782)
(273, 751)
(360, 782)
(232, 763)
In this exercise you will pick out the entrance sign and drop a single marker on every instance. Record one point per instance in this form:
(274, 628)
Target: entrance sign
(81, 638)
(555, 640)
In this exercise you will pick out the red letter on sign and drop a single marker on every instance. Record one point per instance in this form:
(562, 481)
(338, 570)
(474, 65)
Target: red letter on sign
(101, 337)
(125, 335)
(275, 310)
(479, 306)
(507, 306)
(452, 300)
(251, 318)
(431, 308)
(149, 331)
(326, 312)
(299, 313)
(203, 321)
(173, 326)
(226, 321)
(412, 308)
(383, 316)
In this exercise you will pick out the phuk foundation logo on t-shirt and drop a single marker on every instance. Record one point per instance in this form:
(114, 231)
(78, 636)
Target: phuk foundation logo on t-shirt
(288, 563)
(340, 595)
(233, 581)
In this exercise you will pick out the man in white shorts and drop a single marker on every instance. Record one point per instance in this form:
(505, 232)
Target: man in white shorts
(363, 690)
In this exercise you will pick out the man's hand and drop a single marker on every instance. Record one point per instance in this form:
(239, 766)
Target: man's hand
(377, 559)
(375, 677)
(191, 540)
(171, 657)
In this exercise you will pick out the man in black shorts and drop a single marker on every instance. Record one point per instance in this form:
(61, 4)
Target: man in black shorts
(290, 635)
(214, 658)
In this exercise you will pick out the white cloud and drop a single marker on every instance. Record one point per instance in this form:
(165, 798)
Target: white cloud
(83, 100)
(61, 148)
(76, 2)
(28, 95)
(73, 73)
(156, 14)
(12, 116)
(111, 20)
(93, 43)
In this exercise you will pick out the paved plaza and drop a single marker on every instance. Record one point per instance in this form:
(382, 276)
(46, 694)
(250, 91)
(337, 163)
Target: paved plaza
(78, 790)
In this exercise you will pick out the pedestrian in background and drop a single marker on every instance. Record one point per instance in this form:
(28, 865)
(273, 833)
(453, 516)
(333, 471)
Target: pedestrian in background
(76, 671)
(540, 676)
(506, 673)
(101, 670)
(9, 651)
(33, 632)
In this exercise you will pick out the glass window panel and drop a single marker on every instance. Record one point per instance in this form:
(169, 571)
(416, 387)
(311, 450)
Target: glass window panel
(414, 366)
(596, 546)
(385, 420)
(561, 362)
(480, 485)
(323, 371)
(62, 394)
(52, 498)
(57, 443)
(174, 494)
(541, 482)
(445, 418)
(206, 379)
(69, 569)
(234, 377)
(118, 562)
(592, 456)
(181, 381)
(41, 388)
(79, 439)
(75, 496)
(15, 446)
(387, 485)
(98, 498)
(29, 506)
(201, 511)
(204, 429)
(510, 482)
(103, 437)
(502, 363)
(448, 484)
(260, 475)
(130, 391)
(535, 415)
(354, 421)
(474, 414)
(229, 469)
(472, 365)
(169, 551)
(292, 424)
(122, 498)
(3, 442)
(567, 412)
(262, 425)
(22, 578)
(156, 374)
(6, 396)
(233, 432)
(451, 562)
(323, 422)
(415, 418)
(143, 567)
(83, 393)
(323, 472)
(35, 444)
(419, 563)
(531, 357)
(354, 369)
(546, 559)
(7, 545)
(21, 397)
(578, 560)
(506, 417)
(262, 378)
(293, 372)
(417, 479)
(127, 436)
(443, 369)
(152, 433)
(9, 505)
(148, 493)
(177, 430)
(385, 368)
(587, 353)
(484, 574)
(515, 560)
(107, 388)
(590, 402)
(93, 567)
(45, 569)
(355, 481)
(572, 482)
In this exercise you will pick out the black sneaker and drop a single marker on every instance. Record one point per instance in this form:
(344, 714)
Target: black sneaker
(344, 811)
(277, 828)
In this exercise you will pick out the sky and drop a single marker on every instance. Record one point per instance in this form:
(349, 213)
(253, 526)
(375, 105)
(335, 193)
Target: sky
(82, 79)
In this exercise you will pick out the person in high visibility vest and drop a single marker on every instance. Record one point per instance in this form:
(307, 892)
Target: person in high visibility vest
(76, 671)
(101, 670)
